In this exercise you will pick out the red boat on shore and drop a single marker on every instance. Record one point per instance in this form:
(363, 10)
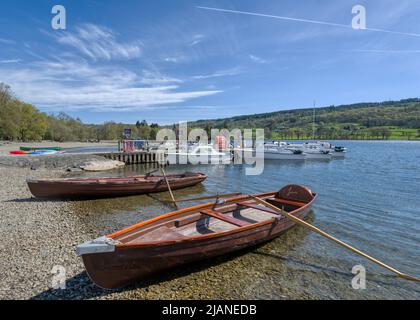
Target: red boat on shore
(188, 235)
(111, 187)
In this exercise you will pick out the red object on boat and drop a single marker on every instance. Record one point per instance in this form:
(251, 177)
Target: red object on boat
(191, 234)
(112, 186)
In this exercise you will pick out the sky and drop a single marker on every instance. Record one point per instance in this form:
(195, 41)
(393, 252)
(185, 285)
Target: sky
(168, 61)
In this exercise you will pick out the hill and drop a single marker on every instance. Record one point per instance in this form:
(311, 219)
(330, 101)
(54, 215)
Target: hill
(383, 120)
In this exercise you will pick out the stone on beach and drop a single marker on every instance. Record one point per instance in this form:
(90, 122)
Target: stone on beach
(102, 165)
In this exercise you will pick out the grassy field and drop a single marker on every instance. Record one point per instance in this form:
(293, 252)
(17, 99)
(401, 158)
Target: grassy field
(377, 133)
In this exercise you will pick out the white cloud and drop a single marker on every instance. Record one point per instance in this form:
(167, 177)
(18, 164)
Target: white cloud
(10, 61)
(63, 85)
(257, 59)
(217, 74)
(153, 78)
(175, 59)
(7, 41)
(97, 42)
(198, 38)
(88, 81)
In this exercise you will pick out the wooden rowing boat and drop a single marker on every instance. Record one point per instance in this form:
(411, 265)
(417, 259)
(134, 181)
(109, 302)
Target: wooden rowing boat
(111, 187)
(187, 235)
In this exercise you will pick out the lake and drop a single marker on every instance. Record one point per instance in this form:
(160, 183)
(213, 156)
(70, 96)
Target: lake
(370, 199)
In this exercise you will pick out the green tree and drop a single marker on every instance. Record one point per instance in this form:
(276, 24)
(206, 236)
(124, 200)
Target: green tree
(32, 124)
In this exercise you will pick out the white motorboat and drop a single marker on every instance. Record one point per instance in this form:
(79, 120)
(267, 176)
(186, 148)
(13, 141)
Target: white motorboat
(199, 154)
(275, 151)
(335, 151)
(312, 151)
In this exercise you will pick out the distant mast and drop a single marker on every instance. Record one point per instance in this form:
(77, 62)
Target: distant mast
(313, 123)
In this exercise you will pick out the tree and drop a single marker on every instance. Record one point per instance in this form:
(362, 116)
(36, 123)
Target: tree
(32, 124)
(6, 94)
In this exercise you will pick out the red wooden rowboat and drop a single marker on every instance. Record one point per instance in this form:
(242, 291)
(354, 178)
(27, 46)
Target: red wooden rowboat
(111, 187)
(191, 234)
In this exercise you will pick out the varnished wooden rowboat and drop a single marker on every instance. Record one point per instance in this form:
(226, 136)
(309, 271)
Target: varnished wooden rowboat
(111, 187)
(191, 234)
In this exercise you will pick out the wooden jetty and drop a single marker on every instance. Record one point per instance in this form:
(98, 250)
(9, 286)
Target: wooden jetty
(137, 157)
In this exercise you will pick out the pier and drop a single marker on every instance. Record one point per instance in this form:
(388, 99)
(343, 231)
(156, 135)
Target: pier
(137, 157)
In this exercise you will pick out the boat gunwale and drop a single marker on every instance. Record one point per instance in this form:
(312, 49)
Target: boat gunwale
(115, 180)
(125, 246)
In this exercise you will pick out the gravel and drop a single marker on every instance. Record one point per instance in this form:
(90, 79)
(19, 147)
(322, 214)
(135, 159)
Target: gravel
(58, 161)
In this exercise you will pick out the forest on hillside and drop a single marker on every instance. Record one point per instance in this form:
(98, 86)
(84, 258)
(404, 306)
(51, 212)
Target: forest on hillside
(385, 120)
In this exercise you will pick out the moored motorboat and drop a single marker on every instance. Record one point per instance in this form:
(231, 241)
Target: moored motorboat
(274, 151)
(312, 151)
(334, 151)
(111, 186)
(339, 152)
(192, 234)
(198, 154)
(280, 151)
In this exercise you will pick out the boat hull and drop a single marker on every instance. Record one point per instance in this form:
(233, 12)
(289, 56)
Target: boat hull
(336, 154)
(173, 158)
(106, 187)
(321, 156)
(282, 156)
(268, 155)
(125, 265)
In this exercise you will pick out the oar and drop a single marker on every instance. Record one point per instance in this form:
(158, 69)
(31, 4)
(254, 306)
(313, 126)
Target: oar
(326, 235)
(227, 195)
(169, 188)
(151, 172)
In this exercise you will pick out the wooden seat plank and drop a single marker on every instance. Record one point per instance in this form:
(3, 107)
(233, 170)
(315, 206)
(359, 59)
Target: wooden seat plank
(225, 218)
(255, 206)
(284, 201)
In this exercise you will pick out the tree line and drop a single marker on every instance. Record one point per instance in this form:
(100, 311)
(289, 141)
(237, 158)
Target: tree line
(24, 122)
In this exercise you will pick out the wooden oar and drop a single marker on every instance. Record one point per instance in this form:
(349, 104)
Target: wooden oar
(326, 235)
(227, 195)
(169, 188)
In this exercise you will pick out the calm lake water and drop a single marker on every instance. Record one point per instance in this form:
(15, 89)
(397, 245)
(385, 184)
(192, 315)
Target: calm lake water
(370, 199)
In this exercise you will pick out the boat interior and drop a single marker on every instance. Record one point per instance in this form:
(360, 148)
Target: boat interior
(207, 220)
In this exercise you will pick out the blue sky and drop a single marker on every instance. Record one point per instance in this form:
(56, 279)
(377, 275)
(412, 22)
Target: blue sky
(169, 61)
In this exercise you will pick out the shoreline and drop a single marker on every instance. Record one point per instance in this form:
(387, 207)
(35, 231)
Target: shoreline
(6, 146)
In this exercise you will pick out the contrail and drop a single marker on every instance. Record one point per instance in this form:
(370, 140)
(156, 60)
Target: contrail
(348, 26)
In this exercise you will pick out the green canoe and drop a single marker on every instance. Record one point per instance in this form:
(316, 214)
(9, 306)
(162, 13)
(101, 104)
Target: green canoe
(37, 149)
